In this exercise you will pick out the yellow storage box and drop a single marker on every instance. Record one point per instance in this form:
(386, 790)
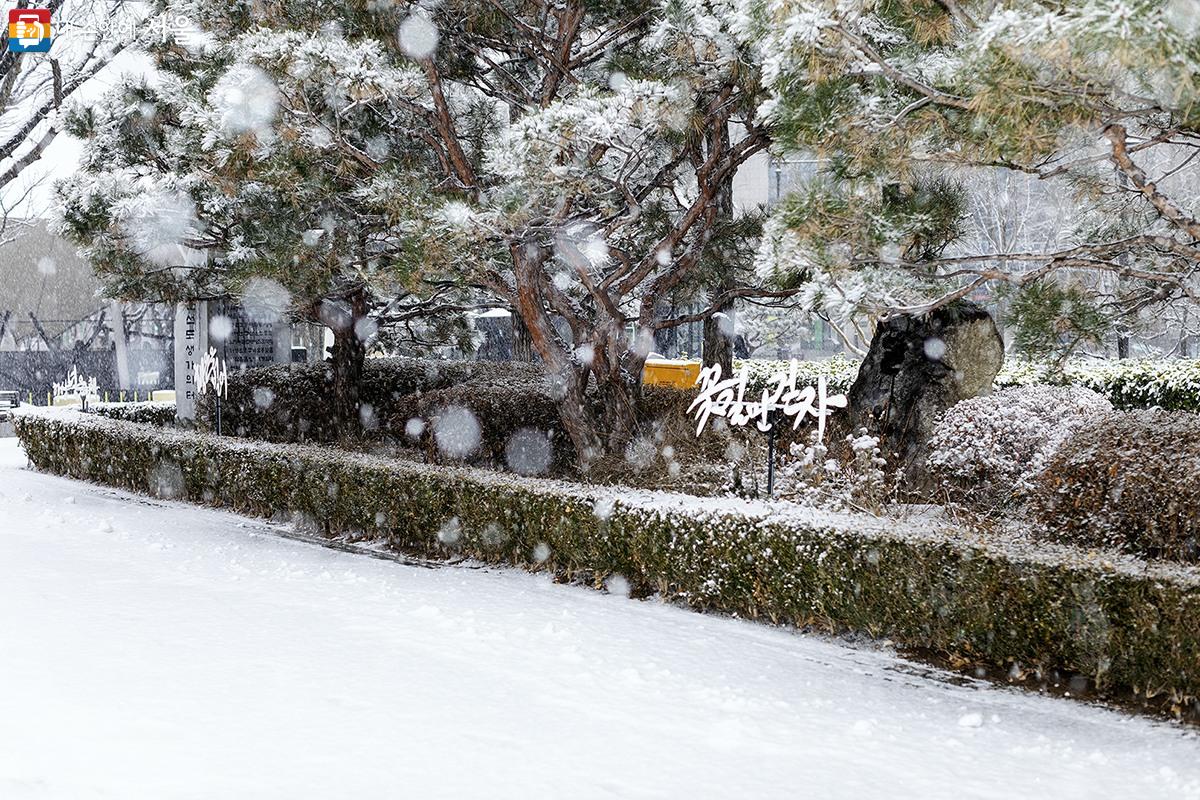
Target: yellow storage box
(669, 372)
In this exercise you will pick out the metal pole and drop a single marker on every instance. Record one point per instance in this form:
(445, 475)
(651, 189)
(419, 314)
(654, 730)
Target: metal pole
(771, 462)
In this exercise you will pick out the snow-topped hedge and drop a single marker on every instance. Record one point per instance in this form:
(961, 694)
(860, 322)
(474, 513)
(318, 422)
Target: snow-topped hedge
(1126, 479)
(291, 403)
(402, 399)
(1171, 384)
(839, 373)
(153, 413)
(1121, 622)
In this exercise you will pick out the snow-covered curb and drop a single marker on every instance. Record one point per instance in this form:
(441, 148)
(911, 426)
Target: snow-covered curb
(1124, 623)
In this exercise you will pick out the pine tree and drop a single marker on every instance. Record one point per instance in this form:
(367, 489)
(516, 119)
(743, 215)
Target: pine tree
(903, 98)
(572, 160)
(607, 188)
(258, 163)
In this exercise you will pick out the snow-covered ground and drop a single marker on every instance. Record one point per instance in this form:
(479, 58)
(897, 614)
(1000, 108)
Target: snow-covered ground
(157, 650)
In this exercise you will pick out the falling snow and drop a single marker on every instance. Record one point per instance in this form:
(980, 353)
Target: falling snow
(418, 36)
(528, 452)
(457, 432)
(265, 300)
(246, 99)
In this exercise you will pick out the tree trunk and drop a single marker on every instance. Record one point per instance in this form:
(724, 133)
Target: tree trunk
(348, 357)
(120, 344)
(719, 329)
(573, 408)
(522, 346)
(718, 336)
(916, 368)
(618, 388)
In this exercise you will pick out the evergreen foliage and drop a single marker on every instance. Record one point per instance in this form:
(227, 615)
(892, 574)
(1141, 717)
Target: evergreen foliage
(1098, 99)
(572, 161)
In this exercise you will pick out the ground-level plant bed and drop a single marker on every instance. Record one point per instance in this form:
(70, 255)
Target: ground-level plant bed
(1127, 625)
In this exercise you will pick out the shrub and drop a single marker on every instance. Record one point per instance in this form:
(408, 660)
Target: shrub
(1122, 624)
(857, 481)
(290, 403)
(500, 405)
(282, 403)
(839, 373)
(987, 449)
(1127, 479)
(151, 413)
(1171, 384)
(525, 406)
(403, 400)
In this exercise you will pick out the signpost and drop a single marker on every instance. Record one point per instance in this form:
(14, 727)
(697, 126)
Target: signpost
(253, 341)
(237, 338)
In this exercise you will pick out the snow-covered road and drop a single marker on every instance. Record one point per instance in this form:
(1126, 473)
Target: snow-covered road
(156, 650)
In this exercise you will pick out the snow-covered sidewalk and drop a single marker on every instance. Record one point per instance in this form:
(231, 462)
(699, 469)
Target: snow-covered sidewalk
(157, 650)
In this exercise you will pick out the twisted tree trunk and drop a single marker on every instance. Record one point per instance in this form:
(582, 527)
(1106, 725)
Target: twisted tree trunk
(348, 358)
(719, 328)
(573, 408)
(718, 335)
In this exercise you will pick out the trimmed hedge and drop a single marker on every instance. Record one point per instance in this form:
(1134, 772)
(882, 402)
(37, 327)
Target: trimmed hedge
(1171, 384)
(839, 373)
(291, 402)
(150, 413)
(1124, 623)
(501, 406)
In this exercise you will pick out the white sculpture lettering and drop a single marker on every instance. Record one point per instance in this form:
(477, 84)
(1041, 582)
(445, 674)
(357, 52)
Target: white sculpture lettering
(726, 398)
(211, 372)
(76, 386)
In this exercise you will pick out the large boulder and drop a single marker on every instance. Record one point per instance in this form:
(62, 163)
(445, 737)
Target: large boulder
(916, 368)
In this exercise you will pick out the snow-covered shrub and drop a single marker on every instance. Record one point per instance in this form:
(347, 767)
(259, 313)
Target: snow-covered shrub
(405, 400)
(1127, 479)
(282, 403)
(150, 413)
(291, 403)
(839, 373)
(1172, 384)
(476, 421)
(986, 450)
(859, 482)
